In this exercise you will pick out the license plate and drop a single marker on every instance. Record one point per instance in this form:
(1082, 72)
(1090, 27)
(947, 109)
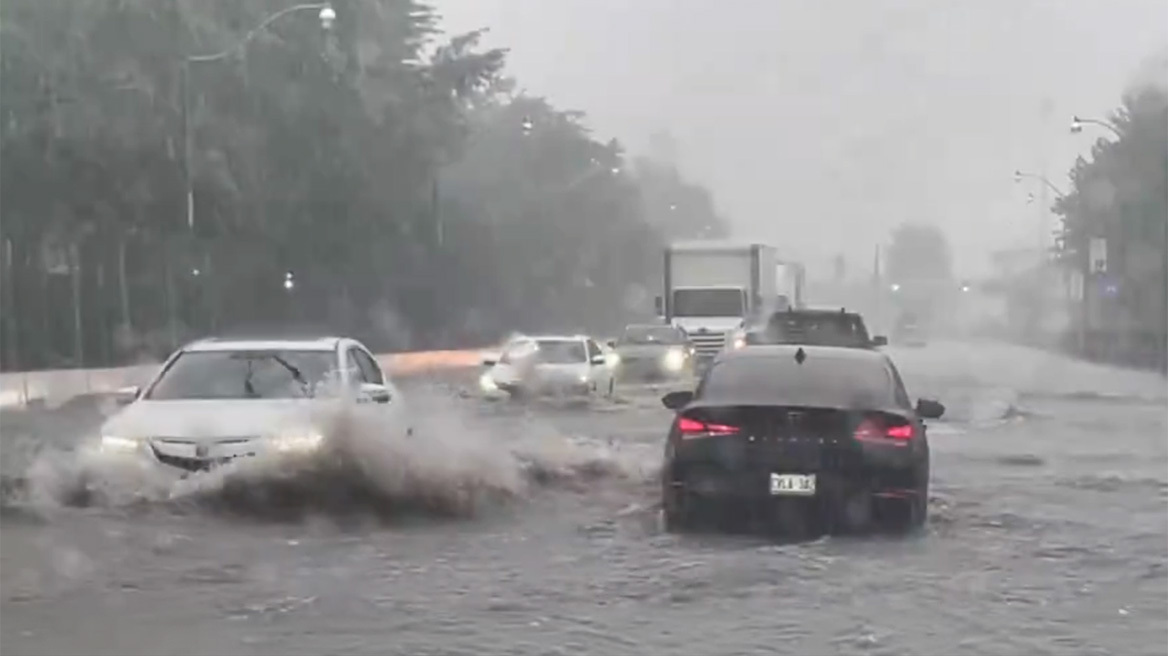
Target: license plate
(793, 484)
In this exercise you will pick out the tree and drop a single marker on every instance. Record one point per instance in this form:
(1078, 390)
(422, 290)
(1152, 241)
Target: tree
(1120, 194)
(387, 168)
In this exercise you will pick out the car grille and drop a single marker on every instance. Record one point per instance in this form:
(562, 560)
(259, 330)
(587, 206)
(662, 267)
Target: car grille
(708, 344)
(196, 462)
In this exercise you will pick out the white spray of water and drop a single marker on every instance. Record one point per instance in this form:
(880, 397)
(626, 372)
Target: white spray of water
(452, 465)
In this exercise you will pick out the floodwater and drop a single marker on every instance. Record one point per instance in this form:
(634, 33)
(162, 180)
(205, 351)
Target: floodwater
(534, 530)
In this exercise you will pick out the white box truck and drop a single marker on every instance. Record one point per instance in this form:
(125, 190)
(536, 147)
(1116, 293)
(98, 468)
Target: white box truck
(712, 288)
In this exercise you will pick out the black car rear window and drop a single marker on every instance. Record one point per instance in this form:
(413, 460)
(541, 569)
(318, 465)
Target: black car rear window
(826, 328)
(820, 381)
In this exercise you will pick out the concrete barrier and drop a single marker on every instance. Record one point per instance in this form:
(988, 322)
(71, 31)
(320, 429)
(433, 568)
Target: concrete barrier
(54, 387)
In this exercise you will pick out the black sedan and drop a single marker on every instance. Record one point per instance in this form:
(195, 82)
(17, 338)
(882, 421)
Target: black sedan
(811, 438)
(814, 327)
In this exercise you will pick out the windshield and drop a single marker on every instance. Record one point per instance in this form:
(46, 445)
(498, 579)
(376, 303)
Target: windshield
(562, 352)
(826, 329)
(652, 335)
(245, 375)
(726, 302)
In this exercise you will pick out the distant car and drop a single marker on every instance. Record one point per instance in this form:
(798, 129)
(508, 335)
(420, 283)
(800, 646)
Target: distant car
(823, 434)
(556, 365)
(217, 400)
(811, 328)
(909, 331)
(654, 352)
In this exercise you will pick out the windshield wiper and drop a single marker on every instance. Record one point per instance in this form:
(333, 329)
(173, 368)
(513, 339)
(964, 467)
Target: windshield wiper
(296, 375)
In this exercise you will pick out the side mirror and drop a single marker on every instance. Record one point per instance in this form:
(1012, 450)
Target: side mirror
(612, 343)
(599, 359)
(659, 305)
(489, 359)
(372, 392)
(879, 340)
(127, 395)
(677, 400)
(929, 409)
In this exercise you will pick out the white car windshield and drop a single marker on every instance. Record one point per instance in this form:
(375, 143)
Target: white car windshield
(561, 352)
(245, 375)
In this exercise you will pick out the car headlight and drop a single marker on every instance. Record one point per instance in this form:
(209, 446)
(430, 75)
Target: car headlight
(674, 359)
(739, 341)
(297, 442)
(487, 384)
(116, 444)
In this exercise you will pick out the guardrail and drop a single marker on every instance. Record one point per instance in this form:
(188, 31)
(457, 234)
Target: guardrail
(54, 387)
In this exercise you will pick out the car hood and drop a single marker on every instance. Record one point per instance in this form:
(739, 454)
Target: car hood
(212, 419)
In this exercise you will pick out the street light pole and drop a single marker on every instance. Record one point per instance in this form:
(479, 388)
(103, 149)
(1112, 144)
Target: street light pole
(328, 17)
(1077, 124)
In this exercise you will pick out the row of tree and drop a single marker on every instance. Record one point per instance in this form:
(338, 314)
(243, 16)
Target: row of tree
(369, 177)
(1119, 200)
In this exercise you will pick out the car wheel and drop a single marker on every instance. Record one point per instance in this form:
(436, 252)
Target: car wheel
(905, 515)
(675, 512)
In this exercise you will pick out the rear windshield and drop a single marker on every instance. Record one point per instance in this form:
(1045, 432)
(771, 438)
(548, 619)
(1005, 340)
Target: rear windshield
(561, 351)
(652, 335)
(819, 381)
(826, 329)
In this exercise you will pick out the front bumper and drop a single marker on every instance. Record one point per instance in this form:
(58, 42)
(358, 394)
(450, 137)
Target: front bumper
(186, 455)
(548, 388)
(654, 368)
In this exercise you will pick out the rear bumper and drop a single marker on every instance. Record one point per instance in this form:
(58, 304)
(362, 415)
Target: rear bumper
(707, 469)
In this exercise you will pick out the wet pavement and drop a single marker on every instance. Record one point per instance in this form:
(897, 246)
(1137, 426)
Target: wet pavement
(1048, 534)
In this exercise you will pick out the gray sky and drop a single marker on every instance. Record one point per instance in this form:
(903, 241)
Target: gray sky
(821, 124)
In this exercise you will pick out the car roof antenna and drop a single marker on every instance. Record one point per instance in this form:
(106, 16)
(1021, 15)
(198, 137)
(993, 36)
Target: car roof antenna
(800, 356)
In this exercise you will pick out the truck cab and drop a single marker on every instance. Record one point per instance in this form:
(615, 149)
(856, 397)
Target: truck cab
(712, 288)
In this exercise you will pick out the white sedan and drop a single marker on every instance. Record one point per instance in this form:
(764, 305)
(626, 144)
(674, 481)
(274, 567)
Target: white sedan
(556, 365)
(217, 400)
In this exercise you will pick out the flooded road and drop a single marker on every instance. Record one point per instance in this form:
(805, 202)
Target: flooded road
(1048, 534)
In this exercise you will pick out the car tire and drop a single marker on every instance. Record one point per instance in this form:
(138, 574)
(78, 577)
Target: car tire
(675, 513)
(906, 515)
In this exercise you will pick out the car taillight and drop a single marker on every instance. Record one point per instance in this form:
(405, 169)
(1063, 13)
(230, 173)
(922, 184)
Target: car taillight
(874, 430)
(691, 428)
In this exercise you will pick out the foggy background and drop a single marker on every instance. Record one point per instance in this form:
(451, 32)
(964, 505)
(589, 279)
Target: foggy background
(810, 118)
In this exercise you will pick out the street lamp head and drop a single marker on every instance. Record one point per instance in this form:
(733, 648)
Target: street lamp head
(1076, 125)
(1017, 176)
(527, 125)
(328, 16)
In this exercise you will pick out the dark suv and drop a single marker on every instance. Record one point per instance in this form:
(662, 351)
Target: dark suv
(815, 328)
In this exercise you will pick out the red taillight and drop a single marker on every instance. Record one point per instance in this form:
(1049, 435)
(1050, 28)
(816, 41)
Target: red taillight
(872, 430)
(904, 432)
(690, 428)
